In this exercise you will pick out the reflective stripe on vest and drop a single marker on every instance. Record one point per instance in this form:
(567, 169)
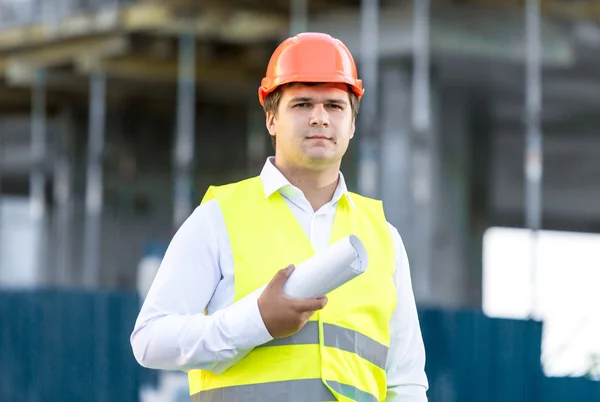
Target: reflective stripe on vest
(289, 391)
(337, 337)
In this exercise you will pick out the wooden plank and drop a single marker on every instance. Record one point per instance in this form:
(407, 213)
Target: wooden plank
(245, 26)
(145, 16)
(62, 81)
(69, 28)
(215, 22)
(137, 68)
(56, 54)
(137, 16)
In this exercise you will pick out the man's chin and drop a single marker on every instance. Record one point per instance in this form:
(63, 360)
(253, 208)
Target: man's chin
(321, 158)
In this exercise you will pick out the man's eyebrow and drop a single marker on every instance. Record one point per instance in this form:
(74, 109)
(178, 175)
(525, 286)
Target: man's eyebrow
(340, 101)
(300, 99)
(307, 99)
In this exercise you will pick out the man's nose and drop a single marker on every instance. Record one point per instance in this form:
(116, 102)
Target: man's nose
(319, 116)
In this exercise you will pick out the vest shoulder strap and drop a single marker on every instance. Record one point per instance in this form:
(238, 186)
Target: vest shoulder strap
(226, 191)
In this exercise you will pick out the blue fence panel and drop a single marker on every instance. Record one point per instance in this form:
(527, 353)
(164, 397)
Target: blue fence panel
(570, 389)
(74, 346)
(513, 378)
(473, 350)
(67, 346)
(472, 358)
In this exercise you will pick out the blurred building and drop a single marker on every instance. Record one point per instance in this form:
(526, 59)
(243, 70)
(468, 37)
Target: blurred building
(115, 116)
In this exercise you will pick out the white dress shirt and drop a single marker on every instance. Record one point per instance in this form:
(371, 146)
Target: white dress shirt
(173, 333)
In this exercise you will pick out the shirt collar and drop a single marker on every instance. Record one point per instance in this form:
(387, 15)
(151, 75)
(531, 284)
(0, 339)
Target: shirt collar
(273, 180)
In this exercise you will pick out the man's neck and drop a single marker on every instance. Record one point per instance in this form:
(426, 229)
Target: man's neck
(318, 186)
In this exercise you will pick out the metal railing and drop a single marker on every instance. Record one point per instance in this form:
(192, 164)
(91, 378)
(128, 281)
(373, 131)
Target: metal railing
(15, 13)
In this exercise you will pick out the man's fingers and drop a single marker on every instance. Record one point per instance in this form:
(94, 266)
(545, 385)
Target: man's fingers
(281, 276)
(303, 305)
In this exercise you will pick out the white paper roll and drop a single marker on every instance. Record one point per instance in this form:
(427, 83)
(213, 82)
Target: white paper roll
(329, 269)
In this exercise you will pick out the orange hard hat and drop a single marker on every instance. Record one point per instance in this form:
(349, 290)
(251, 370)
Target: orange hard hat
(310, 57)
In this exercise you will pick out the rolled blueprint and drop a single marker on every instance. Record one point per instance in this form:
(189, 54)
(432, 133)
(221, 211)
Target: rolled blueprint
(327, 270)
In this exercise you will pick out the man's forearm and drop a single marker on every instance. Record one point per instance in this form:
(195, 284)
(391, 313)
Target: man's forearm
(186, 342)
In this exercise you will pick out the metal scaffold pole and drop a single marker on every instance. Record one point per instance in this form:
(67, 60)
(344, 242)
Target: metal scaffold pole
(421, 117)
(185, 136)
(63, 200)
(2, 145)
(533, 143)
(298, 16)
(368, 152)
(94, 180)
(37, 182)
(422, 145)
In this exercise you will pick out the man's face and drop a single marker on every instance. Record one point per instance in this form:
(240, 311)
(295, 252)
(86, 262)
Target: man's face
(313, 125)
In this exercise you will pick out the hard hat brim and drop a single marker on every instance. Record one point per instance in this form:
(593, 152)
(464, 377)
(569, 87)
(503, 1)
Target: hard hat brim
(270, 85)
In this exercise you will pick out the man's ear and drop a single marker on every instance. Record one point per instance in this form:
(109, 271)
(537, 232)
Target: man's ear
(270, 122)
(353, 128)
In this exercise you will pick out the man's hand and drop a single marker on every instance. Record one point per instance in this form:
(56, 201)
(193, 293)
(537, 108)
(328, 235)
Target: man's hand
(283, 315)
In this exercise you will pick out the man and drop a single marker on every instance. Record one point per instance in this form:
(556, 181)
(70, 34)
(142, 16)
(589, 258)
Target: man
(362, 342)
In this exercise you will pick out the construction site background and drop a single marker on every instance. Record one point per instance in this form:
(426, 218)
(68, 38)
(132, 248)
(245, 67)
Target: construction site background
(479, 130)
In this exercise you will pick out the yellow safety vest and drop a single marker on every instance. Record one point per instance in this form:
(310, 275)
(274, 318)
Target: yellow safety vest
(340, 354)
